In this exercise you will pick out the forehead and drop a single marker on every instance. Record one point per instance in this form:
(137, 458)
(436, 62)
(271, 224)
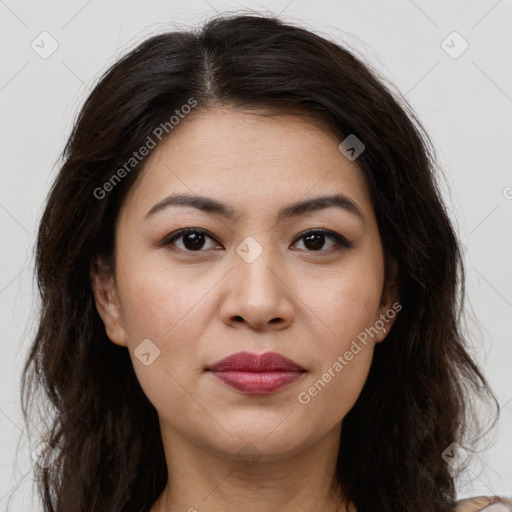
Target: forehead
(249, 159)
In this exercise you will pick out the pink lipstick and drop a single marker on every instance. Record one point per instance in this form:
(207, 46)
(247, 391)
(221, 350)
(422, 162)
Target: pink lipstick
(257, 374)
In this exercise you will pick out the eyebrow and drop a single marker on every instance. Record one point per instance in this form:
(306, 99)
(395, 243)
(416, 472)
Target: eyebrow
(210, 205)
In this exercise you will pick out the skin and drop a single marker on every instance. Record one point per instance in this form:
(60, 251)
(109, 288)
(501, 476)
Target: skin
(200, 306)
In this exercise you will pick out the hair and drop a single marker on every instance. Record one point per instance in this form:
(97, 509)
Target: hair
(418, 396)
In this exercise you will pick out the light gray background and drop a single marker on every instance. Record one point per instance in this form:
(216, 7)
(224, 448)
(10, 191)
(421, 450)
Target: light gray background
(465, 103)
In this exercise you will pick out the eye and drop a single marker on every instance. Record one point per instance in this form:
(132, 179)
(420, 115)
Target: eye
(193, 239)
(314, 240)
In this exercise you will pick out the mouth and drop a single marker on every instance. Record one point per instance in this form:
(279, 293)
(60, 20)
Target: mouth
(257, 383)
(257, 374)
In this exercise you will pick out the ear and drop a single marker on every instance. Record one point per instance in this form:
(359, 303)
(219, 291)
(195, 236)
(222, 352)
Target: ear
(389, 303)
(107, 301)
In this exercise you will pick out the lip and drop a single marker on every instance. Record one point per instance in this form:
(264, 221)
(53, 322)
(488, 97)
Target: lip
(257, 373)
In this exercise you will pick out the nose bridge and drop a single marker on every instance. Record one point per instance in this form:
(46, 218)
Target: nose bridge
(257, 292)
(257, 267)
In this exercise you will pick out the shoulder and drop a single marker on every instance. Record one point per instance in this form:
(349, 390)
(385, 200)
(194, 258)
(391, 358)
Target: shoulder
(484, 503)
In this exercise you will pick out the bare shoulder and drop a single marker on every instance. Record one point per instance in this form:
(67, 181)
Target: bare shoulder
(484, 503)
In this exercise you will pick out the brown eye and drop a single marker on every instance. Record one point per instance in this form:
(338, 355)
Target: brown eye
(315, 240)
(192, 240)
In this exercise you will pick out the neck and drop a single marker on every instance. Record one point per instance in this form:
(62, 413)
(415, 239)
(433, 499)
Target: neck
(204, 481)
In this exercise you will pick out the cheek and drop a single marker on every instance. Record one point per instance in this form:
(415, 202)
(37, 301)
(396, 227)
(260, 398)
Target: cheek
(169, 315)
(351, 310)
(343, 351)
(169, 312)
(158, 303)
(343, 304)
(330, 394)
(347, 304)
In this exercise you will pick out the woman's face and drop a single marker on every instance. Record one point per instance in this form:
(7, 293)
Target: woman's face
(251, 280)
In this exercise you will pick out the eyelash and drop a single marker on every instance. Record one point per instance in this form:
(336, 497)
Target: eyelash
(341, 242)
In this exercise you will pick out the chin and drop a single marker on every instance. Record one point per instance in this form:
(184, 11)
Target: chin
(257, 444)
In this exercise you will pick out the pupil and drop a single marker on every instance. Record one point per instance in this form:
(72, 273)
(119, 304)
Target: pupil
(318, 241)
(193, 240)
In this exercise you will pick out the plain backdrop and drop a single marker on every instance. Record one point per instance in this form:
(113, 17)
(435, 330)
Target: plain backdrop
(463, 96)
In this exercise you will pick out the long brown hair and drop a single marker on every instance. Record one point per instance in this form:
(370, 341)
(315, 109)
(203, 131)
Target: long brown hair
(418, 397)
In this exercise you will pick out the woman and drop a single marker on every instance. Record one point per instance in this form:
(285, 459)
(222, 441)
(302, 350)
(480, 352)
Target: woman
(250, 289)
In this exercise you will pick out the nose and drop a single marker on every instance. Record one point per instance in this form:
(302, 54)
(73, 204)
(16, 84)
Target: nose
(258, 294)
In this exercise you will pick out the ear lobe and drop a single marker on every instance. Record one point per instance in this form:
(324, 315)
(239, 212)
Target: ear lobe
(107, 301)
